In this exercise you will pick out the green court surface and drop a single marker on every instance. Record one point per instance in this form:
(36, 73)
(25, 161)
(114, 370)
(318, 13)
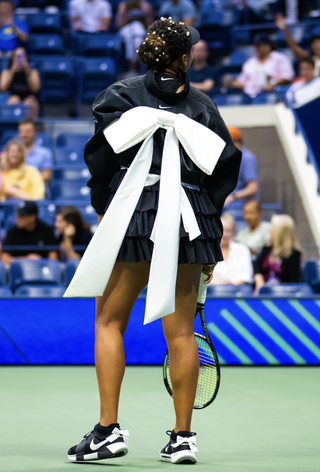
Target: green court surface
(264, 419)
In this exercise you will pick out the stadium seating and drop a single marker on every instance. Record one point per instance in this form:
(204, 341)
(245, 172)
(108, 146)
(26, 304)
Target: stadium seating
(38, 291)
(72, 140)
(311, 274)
(228, 290)
(231, 100)
(93, 76)
(5, 292)
(2, 274)
(43, 23)
(89, 215)
(29, 272)
(70, 193)
(13, 113)
(57, 76)
(286, 290)
(73, 174)
(69, 156)
(45, 44)
(266, 99)
(3, 98)
(42, 139)
(47, 213)
(71, 267)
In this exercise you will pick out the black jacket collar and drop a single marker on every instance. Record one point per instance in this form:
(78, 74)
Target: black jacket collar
(167, 97)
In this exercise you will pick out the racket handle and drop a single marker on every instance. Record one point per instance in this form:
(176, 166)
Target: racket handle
(202, 289)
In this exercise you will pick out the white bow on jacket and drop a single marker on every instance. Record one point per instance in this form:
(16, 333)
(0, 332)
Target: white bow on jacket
(204, 148)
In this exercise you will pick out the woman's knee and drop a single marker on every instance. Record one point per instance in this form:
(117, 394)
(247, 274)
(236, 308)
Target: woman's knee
(13, 100)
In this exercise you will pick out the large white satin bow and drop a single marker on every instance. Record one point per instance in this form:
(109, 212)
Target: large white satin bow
(204, 147)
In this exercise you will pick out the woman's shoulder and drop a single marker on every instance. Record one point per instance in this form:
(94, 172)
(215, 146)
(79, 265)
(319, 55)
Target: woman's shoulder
(202, 98)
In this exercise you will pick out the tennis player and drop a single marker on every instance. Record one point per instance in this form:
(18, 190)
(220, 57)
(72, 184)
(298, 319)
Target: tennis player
(162, 164)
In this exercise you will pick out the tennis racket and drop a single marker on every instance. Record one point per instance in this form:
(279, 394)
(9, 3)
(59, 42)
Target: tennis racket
(209, 371)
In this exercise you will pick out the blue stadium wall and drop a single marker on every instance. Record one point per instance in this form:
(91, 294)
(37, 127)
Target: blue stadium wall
(244, 331)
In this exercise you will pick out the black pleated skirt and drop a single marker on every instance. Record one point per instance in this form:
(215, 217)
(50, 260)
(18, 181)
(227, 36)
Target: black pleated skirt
(137, 245)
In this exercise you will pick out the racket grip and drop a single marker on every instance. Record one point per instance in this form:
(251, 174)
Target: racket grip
(202, 289)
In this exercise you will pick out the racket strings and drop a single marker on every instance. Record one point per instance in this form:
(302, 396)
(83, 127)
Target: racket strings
(208, 375)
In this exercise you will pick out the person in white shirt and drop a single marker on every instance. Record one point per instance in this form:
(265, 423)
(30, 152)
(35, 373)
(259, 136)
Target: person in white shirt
(256, 235)
(90, 16)
(236, 268)
(266, 71)
(307, 81)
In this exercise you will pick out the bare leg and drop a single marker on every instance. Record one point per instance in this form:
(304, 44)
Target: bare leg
(178, 329)
(112, 315)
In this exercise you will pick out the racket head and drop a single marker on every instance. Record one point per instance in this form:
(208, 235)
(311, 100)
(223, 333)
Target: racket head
(209, 373)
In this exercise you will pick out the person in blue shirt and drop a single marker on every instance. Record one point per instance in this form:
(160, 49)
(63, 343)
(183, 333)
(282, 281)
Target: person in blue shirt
(37, 156)
(180, 10)
(248, 185)
(200, 73)
(12, 30)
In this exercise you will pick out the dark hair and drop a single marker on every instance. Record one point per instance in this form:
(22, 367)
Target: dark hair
(27, 121)
(307, 60)
(72, 215)
(165, 37)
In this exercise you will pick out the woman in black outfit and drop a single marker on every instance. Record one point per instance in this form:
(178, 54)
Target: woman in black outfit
(21, 81)
(159, 109)
(72, 231)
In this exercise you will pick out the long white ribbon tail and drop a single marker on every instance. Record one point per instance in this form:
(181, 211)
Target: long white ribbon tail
(96, 265)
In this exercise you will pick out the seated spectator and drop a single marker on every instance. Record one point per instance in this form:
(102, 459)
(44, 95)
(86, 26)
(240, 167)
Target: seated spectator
(21, 81)
(29, 231)
(247, 187)
(264, 72)
(306, 84)
(12, 30)
(72, 231)
(257, 233)
(280, 262)
(36, 156)
(236, 268)
(297, 50)
(132, 20)
(200, 74)
(19, 180)
(90, 16)
(180, 10)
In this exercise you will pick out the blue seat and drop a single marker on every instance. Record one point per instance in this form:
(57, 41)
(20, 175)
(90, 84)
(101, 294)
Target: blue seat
(47, 213)
(5, 292)
(100, 45)
(68, 156)
(311, 274)
(229, 291)
(40, 291)
(70, 193)
(93, 76)
(89, 215)
(57, 74)
(2, 274)
(28, 272)
(266, 99)
(231, 100)
(72, 174)
(13, 113)
(286, 291)
(43, 23)
(42, 139)
(3, 98)
(71, 267)
(45, 44)
(73, 140)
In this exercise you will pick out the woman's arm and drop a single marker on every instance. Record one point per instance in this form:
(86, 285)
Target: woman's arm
(295, 48)
(33, 79)
(259, 281)
(6, 79)
(120, 20)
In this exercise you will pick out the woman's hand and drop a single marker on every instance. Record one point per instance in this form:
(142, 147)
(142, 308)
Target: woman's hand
(69, 231)
(281, 21)
(208, 269)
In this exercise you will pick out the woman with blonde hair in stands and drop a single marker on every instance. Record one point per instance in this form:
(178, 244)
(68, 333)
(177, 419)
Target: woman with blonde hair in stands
(280, 261)
(18, 179)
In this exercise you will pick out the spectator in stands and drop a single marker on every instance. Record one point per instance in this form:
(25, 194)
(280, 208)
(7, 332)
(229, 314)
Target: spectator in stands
(72, 231)
(37, 156)
(200, 74)
(297, 50)
(180, 10)
(279, 262)
(266, 71)
(19, 180)
(12, 30)
(256, 235)
(307, 78)
(29, 231)
(236, 268)
(90, 16)
(21, 81)
(247, 187)
(132, 20)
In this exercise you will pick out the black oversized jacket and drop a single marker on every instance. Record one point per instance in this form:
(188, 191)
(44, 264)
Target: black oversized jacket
(122, 96)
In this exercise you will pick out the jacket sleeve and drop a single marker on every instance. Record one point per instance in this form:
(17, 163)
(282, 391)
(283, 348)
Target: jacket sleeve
(224, 178)
(102, 162)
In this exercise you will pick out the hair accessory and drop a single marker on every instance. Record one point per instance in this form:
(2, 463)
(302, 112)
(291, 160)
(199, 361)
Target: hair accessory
(137, 50)
(162, 35)
(188, 33)
(164, 42)
(144, 42)
(154, 32)
(175, 31)
(162, 19)
(169, 28)
(151, 43)
(148, 34)
(157, 60)
(163, 53)
(170, 17)
(156, 48)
